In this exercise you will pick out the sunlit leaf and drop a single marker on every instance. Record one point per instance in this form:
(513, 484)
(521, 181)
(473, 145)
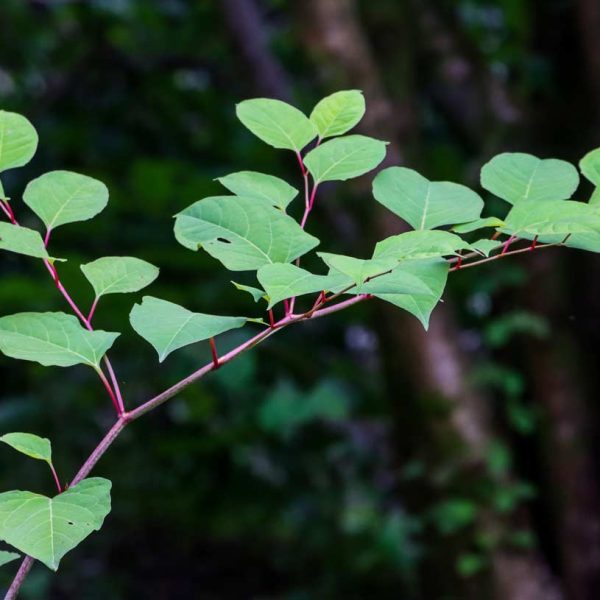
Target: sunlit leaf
(18, 140)
(420, 244)
(62, 197)
(53, 339)
(168, 326)
(514, 177)
(276, 123)
(243, 234)
(30, 445)
(283, 281)
(344, 158)
(338, 113)
(273, 190)
(119, 274)
(425, 204)
(432, 273)
(47, 528)
(22, 240)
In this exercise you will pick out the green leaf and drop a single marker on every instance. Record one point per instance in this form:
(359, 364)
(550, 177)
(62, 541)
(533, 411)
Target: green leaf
(590, 166)
(338, 113)
(62, 197)
(422, 203)
(432, 273)
(243, 234)
(514, 177)
(283, 281)
(344, 158)
(47, 528)
(6, 557)
(18, 140)
(478, 224)
(420, 244)
(168, 326)
(30, 445)
(273, 190)
(276, 123)
(256, 293)
(547, 217)
(595, 197)
(485, 246)
(357, 269)
(53, 339)
(119, 274)
(22, 240)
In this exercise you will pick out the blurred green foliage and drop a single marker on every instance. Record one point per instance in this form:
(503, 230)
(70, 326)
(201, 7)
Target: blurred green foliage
(287, 474)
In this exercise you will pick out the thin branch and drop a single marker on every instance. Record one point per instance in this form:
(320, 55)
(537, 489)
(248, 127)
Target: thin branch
(118, 401)
(169, 393)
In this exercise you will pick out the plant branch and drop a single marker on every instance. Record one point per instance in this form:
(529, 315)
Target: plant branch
(118, 402)
(153, 403)
(15, 586)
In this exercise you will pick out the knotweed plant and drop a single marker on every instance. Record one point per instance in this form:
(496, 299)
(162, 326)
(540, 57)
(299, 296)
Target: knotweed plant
(249, 228)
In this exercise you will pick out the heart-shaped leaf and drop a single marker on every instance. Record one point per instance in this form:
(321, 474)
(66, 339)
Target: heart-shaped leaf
(344, 158)
(53, 339)
(47, 528)
(119, 274)
(276, 123)
(283, 281)
(432, 273)
(425, 204)
(168, 326)
(30, 445)
(18, 140)
(62, 197)
(273, 190)
(243, 234)
(22, 240)
(338, 113)
(515, 177)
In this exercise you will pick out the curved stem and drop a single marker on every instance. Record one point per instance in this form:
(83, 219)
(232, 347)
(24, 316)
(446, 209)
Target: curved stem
(125, 418)
(56, 479)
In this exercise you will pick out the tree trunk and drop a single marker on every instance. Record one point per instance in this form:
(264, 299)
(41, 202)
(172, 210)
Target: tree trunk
(333, 32)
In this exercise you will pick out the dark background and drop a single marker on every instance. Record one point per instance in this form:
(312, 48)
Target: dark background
(353, 457)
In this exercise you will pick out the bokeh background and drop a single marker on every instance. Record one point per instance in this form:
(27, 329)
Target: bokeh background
(355, 457)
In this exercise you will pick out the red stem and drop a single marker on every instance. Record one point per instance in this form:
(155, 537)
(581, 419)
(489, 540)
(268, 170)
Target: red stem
(215, 356)
(92, 310)
(56, 479)
(110, 391)
(4, 209)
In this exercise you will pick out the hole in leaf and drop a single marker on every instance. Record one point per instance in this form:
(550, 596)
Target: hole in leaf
(223, 241)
